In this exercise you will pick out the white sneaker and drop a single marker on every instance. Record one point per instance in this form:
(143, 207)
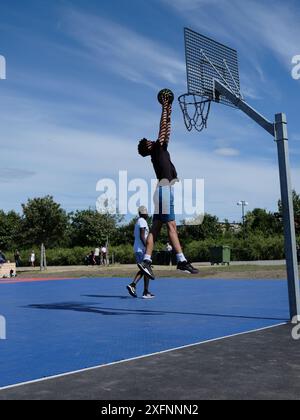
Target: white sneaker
(148, 296)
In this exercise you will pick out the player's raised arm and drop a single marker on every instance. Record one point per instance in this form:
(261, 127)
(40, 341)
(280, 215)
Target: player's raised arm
(165, 124)
(169, 123)
(166, 98)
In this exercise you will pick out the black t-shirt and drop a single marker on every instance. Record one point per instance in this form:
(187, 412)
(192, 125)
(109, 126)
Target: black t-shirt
(162, 163)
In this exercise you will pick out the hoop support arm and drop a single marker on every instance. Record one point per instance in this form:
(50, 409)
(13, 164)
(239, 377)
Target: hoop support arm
(243, 106)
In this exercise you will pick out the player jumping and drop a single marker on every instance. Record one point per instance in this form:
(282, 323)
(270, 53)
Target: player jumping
(164, 195)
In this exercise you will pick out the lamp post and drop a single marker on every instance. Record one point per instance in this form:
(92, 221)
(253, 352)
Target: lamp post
(243, 204)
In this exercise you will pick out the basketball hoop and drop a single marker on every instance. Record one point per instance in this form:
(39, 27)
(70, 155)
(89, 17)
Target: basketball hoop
(195, 111)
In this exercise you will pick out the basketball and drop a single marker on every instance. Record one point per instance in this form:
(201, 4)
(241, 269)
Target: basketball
(168, 93)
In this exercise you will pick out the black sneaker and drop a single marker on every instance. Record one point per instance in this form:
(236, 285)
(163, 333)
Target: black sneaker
(132, 290)
(187, 267)
(146, 268)
(148, 295)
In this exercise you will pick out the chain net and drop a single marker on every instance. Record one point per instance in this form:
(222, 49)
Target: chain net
(195, 111)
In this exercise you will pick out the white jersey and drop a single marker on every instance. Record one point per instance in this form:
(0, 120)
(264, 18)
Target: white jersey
(138, 244)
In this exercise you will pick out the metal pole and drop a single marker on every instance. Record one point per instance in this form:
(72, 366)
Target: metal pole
(107, 251)
(42, 258)
(244, 219)
(243, 207)
(243, 204)
(288, 215)
(243, 213)
(45, 259)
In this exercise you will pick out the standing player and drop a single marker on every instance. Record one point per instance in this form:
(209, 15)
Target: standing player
(141, 232)
(164, 195)
(104, 255)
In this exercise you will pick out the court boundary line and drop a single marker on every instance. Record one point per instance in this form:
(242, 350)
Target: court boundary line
(62, 375)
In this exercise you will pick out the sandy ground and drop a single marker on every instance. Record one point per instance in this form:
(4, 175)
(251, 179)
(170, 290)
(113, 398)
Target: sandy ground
(127, 271)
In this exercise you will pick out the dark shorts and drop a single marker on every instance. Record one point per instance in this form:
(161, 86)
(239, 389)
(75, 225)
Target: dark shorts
(164, 204)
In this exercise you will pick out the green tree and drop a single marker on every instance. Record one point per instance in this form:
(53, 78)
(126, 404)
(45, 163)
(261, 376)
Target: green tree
(125, 233)
(262, 222)
(210, 228)
(10, 229)
(44, 221)
(91, 228)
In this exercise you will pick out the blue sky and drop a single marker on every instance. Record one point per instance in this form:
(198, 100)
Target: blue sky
(82, 79)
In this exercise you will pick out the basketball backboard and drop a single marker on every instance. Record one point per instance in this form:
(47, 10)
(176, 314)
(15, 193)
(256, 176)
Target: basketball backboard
(206, 61)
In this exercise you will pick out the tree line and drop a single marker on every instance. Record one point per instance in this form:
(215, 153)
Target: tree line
(45, 221)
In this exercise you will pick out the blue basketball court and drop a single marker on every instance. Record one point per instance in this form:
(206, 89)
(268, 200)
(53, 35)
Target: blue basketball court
(57, 327)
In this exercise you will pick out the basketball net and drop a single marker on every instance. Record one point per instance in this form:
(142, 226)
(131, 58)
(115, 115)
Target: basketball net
(195, 111)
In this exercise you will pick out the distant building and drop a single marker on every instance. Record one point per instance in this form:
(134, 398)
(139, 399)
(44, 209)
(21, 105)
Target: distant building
(231, 227)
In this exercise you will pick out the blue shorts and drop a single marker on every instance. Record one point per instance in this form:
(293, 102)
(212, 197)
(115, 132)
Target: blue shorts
(164, 204)
(139, 256)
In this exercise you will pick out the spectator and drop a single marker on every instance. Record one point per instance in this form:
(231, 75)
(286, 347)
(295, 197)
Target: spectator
(32, 259)
(169, 247)
(169, 250)
(97, 256)
(2, 258)
(104, 255)
(92, 260)
(17, 258)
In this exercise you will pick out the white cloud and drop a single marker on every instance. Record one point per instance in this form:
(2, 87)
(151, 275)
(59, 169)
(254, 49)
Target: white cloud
(125, 52)
(191, 5)
(227, 152)
(251, 26)
(9, 175)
